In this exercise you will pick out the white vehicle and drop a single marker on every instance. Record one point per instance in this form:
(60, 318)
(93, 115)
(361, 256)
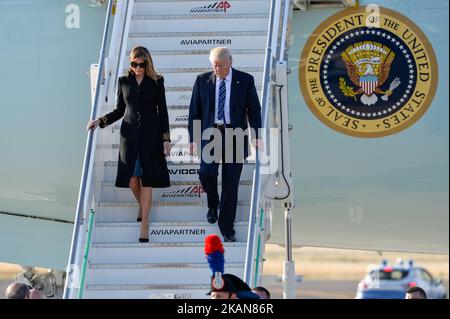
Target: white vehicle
(386, 281)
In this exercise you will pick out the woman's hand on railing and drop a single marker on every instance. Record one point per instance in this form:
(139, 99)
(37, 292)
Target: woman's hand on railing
(167, 147)
(93, 124)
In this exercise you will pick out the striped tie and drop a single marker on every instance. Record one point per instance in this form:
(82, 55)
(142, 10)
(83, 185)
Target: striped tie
(222, 96)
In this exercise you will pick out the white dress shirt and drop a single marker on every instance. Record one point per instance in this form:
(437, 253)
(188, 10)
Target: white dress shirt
(227, 99)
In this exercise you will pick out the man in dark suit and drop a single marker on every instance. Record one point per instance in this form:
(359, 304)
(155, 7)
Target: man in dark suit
(222, 101)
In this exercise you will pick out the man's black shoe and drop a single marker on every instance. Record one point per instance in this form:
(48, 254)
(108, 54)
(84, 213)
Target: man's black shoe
(212, 215)
(229, 238)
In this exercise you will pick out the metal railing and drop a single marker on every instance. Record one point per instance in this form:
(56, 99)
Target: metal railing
(86, 254)
(86, 176)
(279, 16)
(256, 189)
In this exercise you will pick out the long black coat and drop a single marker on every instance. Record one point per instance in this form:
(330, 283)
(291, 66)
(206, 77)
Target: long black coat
(144, 128)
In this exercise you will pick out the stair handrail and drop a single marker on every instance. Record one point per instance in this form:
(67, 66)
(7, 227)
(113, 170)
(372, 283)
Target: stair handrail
(86, 254)
(257, 186)
(86, 175)
(279, 17)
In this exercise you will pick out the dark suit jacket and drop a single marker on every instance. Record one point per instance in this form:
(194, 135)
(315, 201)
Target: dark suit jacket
(245, 108)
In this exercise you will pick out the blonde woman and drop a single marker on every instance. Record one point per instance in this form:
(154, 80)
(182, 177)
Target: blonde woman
(144, 133)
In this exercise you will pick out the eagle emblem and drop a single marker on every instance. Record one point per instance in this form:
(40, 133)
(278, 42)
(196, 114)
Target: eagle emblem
(368, 66)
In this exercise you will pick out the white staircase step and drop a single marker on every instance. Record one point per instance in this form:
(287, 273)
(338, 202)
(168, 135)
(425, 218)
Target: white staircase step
(200, 70)
(193, 23)
(235, 40)
(109, 167)
(178, 157)
(177, 107)
(178, 172)
(107, 153)
(156, 273)
(185, 79)
(127, 211)
(183, 97)
(174, 185)
(146, 292)
(179, 154)
(163, 231)
(176, 79)
(183, 191)
(174, 195)
(107, 253)
(178, 126)
(200, 7)
(170, 164)
(201, 61)
(172, 79)
(236, 53)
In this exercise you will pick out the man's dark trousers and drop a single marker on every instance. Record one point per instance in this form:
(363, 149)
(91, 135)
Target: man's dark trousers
(231, 173)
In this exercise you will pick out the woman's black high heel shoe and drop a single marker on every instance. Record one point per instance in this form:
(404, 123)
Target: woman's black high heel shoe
(139, 219)
(143, 239)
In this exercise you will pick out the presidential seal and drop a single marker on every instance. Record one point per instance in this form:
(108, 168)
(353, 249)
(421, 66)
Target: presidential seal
(366, 74)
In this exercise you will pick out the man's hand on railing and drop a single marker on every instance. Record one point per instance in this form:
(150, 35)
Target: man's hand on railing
(192, 149)
(93, 124)
(258, 144)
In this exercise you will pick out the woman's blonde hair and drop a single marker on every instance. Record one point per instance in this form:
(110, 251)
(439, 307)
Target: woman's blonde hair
(142, 52)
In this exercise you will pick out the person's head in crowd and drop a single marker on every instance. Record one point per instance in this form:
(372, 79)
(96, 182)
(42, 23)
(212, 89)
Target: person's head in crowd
(223, 286)
(17, 291)
(22, 291)
(225, 290)
(243, 291)
(233, 288)
(36, 294)
(415, 293)
(262, 292)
